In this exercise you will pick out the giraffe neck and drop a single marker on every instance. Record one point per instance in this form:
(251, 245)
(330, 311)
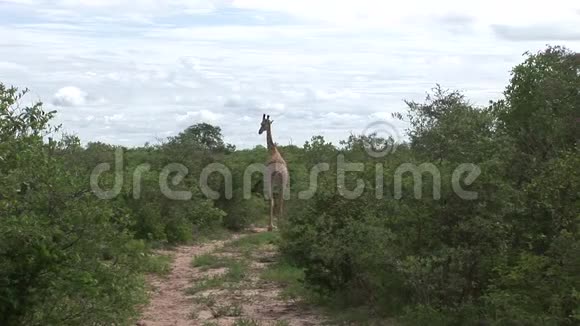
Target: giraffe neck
(269, 141)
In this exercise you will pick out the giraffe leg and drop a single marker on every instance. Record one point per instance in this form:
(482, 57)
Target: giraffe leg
(284, 192)
(270, 226)
(280, 209)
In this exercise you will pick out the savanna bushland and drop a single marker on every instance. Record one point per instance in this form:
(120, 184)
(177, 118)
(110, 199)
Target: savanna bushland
(510, 255)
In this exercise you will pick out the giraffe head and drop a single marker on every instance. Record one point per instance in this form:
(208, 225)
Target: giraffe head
(265, 125)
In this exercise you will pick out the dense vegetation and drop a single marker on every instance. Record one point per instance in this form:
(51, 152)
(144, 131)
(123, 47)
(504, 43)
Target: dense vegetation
(509, 256)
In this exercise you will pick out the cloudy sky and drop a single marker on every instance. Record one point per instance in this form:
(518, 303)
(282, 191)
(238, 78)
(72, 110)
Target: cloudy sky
(127, 72)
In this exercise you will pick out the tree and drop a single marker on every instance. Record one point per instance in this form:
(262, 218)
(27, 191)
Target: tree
(202, 136)
(540, 109)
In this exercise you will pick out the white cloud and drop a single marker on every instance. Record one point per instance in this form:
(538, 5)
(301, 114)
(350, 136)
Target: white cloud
(20, 2)
(6, 65)
(70, 96)
(335, 118)
(234, 101)
(338, 66)
(192, 117)
(326, 95)
(538, 32)
(132, 11)
(114, 118)
(389, 13)
(380, 116)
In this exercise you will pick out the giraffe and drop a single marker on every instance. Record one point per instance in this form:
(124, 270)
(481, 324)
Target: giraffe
(276, 176)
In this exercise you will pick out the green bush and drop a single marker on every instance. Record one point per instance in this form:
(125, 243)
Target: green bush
(66, 257)
(509, 256)
(242, 213)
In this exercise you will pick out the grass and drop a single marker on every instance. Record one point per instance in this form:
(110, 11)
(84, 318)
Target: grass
(206, 284)
(246, 322)
(192, 315)
(210, 323)
(213, 234)
(254, 241)
(204, 260)
(354, 316)
(158, 264)
(249, 244)
(208, 300)
(209, 261)
(233, 310)
(283, 273)
(237, 271)
(290, 277)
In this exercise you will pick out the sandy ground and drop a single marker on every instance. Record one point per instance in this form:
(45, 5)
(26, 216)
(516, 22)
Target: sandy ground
(169, 305)
(253, 298)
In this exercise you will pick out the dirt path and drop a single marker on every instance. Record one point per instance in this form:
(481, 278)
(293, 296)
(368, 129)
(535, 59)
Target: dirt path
(226, 288)
(169, 304)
